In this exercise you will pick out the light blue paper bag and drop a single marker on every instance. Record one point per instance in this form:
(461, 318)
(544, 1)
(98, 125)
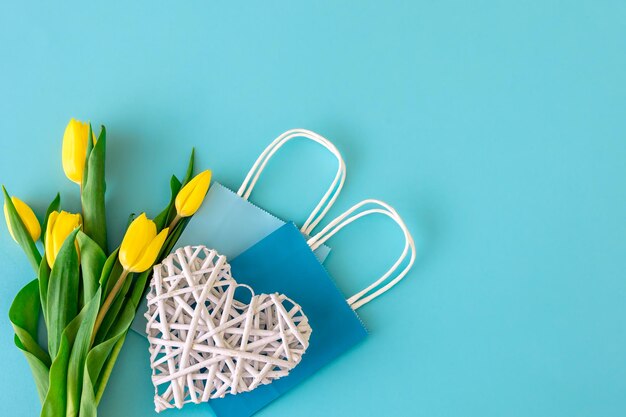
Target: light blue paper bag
(284, 262)
(229, 223)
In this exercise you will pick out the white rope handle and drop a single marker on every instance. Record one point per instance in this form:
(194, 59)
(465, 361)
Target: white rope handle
(333, 191)
(361, 298)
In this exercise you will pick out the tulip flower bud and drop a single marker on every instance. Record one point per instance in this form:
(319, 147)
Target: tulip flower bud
(28, 218)
(141, 245)
(190, 197)
(60, 225)
(75, 149)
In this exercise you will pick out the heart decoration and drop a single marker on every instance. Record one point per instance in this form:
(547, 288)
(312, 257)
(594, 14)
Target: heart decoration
(204, 343)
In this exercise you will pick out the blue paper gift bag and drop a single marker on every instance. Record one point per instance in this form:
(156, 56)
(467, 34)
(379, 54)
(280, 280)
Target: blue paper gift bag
(284, 262)
(229, 223)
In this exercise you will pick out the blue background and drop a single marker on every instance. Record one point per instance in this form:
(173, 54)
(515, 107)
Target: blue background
(497, 129)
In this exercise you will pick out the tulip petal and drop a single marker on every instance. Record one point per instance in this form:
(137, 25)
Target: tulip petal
(49, 247)
(93, 191)
(151, 252)
(75, 141)
(54, 206)
(20, 232)
(190, 197)
(28, 217)
(60, 225)
(6, 216)
(138, 236)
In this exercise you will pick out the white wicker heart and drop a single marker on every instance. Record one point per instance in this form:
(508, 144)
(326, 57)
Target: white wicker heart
(204, 343)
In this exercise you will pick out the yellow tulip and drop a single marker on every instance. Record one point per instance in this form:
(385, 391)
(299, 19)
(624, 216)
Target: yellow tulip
(75, 149)
(190, 197)
(141, 245)
(60, 225)
(28, 218)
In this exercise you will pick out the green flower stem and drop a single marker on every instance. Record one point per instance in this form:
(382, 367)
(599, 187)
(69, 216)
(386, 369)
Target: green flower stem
(108, 368)
(174, 222)
(107, 303)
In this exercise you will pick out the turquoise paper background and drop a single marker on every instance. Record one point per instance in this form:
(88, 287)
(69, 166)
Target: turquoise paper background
(497, 129)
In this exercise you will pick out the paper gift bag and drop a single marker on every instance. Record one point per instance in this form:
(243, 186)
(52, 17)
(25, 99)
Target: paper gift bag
(230, 223)
(284, 262)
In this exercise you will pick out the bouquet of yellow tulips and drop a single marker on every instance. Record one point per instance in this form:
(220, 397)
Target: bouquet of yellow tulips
(87, 294)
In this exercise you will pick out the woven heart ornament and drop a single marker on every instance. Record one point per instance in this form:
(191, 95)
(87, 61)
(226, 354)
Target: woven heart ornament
(204, 343)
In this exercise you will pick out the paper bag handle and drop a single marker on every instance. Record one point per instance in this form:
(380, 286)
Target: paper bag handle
(333, 191)
(362, 297)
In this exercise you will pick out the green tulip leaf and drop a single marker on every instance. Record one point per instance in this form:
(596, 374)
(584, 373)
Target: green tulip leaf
(54, 206)
(24, 316)
(111, 316)
(189, 173)
(115, 272)
(100, 362)
(44, 278)
(63, 287)
(23, 237)
(78, 356)
(131, 217)
(44, 268)
(110, 265)
(167, 215)
(40, 371)
(173, 237)
(56, 401)
(92, 194)
(92, 260)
